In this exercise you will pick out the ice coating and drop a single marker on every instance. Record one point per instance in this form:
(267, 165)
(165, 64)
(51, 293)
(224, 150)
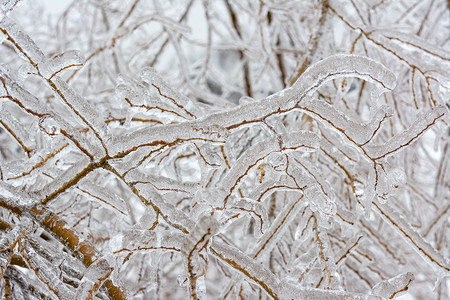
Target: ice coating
(105, 198)
(6, 6)
(10, 194)
(98, 270)
(183, 103)
(84, 109)
(413, 238)
(394, 286)
(407, 136)
(224, 149)
(65, 60)
(276, 230)
(255, 210)
(28, 50)
(343, 65)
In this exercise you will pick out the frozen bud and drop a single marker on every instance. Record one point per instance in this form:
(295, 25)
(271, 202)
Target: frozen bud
(218, 131)
(148, 218)
(48, 125)
(182, 280)
(130, 90)
(397, 178)
(150, 75)
(24, 71)
(262, 173)
(277, 160)
(201, 287)
(208, 222)
(210, 196)
(320, 201)
(245, 100)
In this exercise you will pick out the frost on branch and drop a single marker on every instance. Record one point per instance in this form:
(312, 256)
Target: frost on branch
(224, 150)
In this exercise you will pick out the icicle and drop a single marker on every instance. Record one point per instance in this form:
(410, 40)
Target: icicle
(166, 134)
(161, 183)
(66, 176)
(369, 193)
(412, 48)
(320, 201)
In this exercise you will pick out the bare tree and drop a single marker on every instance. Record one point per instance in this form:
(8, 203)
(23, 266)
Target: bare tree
(225, 149)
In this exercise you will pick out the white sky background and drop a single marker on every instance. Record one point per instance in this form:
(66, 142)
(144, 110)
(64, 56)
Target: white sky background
(56, 6)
